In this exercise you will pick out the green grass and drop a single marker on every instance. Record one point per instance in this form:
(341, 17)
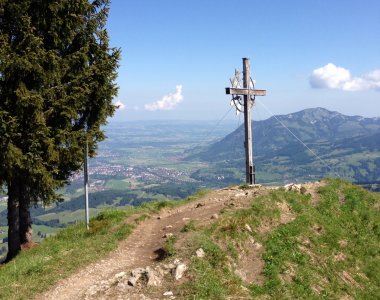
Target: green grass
(211, 276)
(141, 218)
(57, 257)
(49, 231)
(69, 216)
(329, 251)
(34, 271)
(169, 246)
(190, 226)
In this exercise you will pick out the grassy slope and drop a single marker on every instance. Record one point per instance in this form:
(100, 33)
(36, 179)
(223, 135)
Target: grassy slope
(330, 250)
(35, 270)
(57, 257)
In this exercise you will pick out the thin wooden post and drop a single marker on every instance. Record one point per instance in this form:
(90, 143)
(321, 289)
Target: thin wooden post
(85, 169)
(250, 178)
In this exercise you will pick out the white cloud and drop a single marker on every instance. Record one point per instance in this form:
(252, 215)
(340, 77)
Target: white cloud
(333, 77)
(329, 76)
(168, 102)
(120, 105)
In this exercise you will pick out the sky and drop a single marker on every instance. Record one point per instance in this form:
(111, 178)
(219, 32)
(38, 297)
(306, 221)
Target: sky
(178, 56)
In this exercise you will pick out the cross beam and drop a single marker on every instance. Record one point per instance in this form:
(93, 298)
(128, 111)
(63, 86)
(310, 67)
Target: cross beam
(247, 92)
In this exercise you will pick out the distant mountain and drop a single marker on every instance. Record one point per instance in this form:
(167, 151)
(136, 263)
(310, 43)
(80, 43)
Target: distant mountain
(348, 145)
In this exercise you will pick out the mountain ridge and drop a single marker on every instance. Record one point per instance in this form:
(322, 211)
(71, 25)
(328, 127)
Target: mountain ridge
(334, 137)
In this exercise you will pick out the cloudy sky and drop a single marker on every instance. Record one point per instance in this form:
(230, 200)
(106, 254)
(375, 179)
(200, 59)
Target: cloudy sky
(178, 56)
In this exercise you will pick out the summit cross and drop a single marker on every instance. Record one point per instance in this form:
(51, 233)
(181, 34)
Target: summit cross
(249, 93)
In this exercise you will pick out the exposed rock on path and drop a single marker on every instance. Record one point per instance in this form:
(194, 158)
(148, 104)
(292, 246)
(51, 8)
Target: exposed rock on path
(140, 249)
(135, 264)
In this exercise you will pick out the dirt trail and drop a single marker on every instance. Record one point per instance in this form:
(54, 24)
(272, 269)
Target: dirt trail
(140, 248)
(144, 246)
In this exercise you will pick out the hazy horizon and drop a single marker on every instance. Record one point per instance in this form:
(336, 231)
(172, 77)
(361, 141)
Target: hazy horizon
(231, 117)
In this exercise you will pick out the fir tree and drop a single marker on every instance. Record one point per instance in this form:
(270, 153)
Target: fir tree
(57, 75)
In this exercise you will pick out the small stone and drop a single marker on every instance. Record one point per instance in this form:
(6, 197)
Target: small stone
(159, 218)
(214, 216)
(168, 227)
(153, 279)
(185, 219)
(179, 271)
(167, 235)
(133, 280)
(199, 205)
(135, 276)
(293, 187)
(169, 266)
(162, 272)
(248, 227)
(120, 275)
(168, 293)
(176, 261)
(238, 195)
(200, 253)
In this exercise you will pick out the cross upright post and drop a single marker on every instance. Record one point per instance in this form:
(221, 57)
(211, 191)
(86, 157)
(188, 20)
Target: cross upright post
(249, 93)
(250, 169)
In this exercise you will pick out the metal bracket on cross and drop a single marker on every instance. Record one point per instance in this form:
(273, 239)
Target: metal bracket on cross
(236, 84)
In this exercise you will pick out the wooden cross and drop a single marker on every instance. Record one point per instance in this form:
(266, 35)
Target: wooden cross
(247, 92)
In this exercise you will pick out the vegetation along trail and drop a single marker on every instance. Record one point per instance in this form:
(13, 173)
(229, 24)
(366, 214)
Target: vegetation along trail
(300, 241)
(144, 247)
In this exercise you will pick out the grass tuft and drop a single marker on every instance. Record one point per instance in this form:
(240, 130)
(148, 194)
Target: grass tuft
(169, 246)
(190, 226)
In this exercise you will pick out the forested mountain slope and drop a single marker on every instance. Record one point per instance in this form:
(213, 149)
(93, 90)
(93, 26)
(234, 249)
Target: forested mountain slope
(348, 145)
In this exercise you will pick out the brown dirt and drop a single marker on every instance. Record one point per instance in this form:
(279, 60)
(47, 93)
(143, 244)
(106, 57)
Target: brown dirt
(29, 245)
(289, 273)
(144, 247)
(250, 265)
(340, 257)
(347, 278)
(286, 216)
(312, 189)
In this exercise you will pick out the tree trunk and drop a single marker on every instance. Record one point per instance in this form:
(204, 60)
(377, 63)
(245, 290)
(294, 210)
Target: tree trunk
(26, 231)
(14, 245)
